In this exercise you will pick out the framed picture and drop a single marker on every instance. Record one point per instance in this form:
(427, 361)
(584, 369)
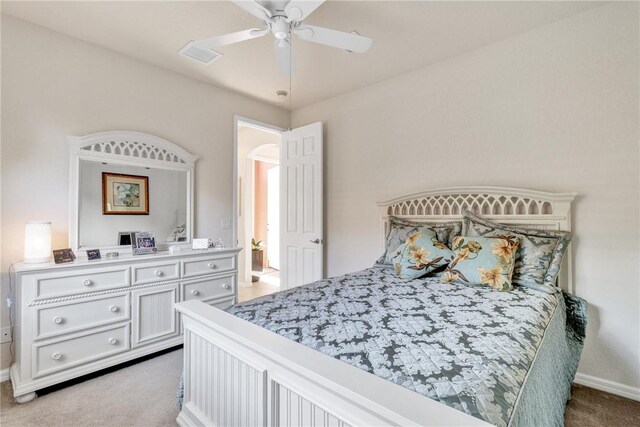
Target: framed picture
(124, 238)
(93, 254)
(143, 243)
(125, 194)
(62, 256)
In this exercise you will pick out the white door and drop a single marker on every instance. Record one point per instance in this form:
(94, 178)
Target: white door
(273, 217)
(301, 252)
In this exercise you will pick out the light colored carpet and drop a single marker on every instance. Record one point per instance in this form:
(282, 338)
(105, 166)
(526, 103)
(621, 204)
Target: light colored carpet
(143, 394)
(140, 394)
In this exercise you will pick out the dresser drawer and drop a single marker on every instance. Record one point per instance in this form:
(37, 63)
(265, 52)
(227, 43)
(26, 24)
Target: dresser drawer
(85, 280)
(76, 316)
(64, 354)
(205, 289)
(148, 273)
(198, 267)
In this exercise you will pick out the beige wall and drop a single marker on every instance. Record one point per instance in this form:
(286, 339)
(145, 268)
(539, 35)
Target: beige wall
(54, 85)
(553, 109)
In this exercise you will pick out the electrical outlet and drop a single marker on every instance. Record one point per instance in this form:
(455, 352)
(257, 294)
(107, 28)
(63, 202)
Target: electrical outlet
(225, 223)
(5, 335)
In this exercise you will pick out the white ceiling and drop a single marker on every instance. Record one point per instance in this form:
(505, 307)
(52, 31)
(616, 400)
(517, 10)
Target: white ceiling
(407, 35)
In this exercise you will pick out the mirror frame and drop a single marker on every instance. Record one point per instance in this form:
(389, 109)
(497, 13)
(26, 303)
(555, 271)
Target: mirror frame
(130, 149)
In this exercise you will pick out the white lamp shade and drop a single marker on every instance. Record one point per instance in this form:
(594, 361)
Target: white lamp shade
(37, 241)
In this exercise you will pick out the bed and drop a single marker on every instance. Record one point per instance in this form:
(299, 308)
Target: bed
(438, 352)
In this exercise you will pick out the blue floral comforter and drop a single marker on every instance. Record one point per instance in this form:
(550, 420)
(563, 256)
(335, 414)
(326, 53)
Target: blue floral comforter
(469, 347)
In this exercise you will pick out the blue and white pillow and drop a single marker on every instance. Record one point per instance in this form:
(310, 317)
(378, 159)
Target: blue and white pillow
(420, 254)
(483, 261)
(539, 256)
(400, 229)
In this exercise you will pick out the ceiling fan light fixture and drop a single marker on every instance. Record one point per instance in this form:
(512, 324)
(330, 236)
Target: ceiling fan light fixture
(280, 28)
(205, 56)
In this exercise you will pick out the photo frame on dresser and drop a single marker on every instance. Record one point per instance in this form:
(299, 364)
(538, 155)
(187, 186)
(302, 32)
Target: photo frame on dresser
(93, 254)
(143, 243)
(63, 256)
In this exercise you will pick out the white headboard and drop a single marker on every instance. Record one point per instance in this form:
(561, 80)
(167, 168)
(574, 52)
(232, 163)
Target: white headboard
(535, 209)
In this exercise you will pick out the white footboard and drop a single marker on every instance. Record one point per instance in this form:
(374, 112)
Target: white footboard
(238, 374)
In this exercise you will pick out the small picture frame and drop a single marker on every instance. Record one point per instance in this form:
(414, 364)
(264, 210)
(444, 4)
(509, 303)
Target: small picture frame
(93, 254)
(63, 256)
(143, 242)
(124, 238)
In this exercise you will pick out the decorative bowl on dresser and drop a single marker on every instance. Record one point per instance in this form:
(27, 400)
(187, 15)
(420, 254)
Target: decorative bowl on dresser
(73, 319)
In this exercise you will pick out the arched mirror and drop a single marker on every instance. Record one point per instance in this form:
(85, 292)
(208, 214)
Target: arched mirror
(123, 182)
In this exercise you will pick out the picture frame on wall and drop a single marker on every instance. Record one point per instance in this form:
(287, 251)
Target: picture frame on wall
(125, 194)
(143, 242)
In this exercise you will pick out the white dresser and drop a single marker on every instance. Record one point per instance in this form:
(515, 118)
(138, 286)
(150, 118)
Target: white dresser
(73, 319)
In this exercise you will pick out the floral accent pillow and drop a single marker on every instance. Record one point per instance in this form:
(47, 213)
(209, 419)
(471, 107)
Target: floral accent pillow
(421, 253)
(483, 261)
(539, 257)
(400, 229)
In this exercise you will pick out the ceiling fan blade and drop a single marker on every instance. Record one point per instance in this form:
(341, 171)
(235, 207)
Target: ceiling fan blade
(297, 10)
(254, 8)
(284, 57)
(352, 42)
(231, 38)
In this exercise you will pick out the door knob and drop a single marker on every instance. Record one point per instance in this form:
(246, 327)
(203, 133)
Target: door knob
(317, 241)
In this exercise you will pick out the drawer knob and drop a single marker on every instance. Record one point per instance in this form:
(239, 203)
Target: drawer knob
(113, 341)
(56, 356)
(211, 266)
(57, 320)
(114, 308)
(87, 282)
(158, 273)
(226, 285)
(195, 292)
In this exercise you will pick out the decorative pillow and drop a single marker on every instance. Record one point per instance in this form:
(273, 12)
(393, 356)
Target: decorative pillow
(421, 253)
(400, 229)
(539, 258)
(483, 261)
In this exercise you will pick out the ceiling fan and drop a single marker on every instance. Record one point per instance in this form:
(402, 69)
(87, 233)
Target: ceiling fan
(281, 18)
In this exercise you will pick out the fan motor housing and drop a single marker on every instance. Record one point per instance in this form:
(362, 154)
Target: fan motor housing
(280, 27)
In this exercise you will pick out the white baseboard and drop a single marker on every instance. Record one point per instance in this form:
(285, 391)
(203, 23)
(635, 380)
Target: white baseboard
(4, 375)
(608, 386)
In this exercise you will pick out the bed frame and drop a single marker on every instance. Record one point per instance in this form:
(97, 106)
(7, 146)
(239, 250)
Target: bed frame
(238, 374)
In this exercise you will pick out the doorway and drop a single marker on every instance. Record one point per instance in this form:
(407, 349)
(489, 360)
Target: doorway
(258, 208)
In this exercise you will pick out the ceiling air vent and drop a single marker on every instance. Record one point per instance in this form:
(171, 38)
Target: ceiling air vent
(206, 56)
